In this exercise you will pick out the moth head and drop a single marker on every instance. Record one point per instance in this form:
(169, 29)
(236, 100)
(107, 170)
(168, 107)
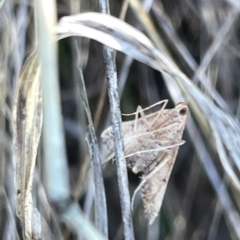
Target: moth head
(182, 108)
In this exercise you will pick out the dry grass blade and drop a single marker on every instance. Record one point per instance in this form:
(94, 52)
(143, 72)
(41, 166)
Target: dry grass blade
(201, 38)
(159, 133)
(27, 122)
(109, 31)
(100, 198)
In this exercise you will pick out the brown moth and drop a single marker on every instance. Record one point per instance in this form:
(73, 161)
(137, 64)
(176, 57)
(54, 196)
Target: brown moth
(151, 145)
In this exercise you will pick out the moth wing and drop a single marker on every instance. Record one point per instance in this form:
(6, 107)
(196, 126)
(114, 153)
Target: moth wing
(107, 143)
(154, 188)
(108, 140)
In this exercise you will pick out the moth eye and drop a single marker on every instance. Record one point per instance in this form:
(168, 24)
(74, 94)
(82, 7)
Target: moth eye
(183, 111)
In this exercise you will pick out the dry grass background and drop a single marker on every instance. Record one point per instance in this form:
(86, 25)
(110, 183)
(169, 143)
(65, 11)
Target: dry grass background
(202, 199)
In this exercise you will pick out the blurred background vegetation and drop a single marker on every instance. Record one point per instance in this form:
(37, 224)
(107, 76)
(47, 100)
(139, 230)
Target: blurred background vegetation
(191, 207)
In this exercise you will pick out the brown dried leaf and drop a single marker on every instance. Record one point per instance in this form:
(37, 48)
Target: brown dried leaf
(27, 125)
(151, 146)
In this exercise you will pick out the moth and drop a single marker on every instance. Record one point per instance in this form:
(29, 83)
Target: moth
(151, 144)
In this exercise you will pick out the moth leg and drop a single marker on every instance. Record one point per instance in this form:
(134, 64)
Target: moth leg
(143, 116)
(147, 177)
(141, 111)
(160, 112)
(147, 108)
(108, 159)
(155, 104)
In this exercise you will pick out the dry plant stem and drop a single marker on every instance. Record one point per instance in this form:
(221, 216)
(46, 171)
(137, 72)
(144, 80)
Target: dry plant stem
(119, 148)
(100, 197)
(80, 224)
(84, 167)
(54, 146)
(124, 9)
(104, 88)
(111, 74)
(127, 59)
(75, 7)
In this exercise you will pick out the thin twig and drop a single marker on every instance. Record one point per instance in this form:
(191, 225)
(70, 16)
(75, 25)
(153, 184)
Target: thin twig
(100, 199)
(75, 7)
(110, 65)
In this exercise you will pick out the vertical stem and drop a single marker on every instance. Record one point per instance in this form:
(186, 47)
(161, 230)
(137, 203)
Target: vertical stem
(111, 73)
(55, 165)
(100, 197)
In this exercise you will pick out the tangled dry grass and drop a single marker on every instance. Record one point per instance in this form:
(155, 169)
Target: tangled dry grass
(190, 54)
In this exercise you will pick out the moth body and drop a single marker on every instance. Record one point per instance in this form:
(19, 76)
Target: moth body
(151, 145)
